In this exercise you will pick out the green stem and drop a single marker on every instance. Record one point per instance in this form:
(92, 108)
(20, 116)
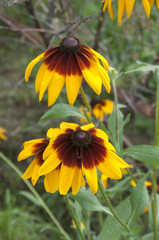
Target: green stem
(116, 109)
(131, 175)
(154, 183)
(74, 217)
(36, 194)
(85, 99)
(112, 209)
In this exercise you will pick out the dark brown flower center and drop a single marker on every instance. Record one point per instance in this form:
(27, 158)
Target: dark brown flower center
(81, 138)
(70, 45)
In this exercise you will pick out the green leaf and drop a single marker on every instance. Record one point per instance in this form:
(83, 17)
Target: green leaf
(144, 68)
(148, 236)
(112, 229)
(61, 110)
(89, 202)
(112, 126)
(143, 153)
(30, 197)
(139, 199)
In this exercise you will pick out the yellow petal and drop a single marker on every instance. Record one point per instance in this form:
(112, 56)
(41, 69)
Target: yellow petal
(109, 170)
(87, 127)
(55, 87)
(33, 142)
(65, 125)
(105, 5)
(29, 171)
(110, 9)
(116, 160)
(66, 178)
(45, 82)
(121, 10)
(51, 132)
(26, 152)
(147, 9)
(49, 164)
(129, 7)
(105, 77)
(35, 175)
(157, 3)
(73, 84)
(91, 177)
(32, 64)
(103, 60)
(42, 70)
(90, 74)
(51, 181)
(101, 134)
(151, 3)
(76, 183)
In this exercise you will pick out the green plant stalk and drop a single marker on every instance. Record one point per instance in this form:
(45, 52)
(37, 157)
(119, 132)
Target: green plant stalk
(74, 217)
(85, 99)
(116, 109)
(154, 183)
(112, 209)
(36, 194)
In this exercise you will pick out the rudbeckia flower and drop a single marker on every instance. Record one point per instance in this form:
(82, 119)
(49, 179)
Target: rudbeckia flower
(34, 147)
(127, 5)
(2, 134)
(101, 107)
(68, 64)
(79, 151)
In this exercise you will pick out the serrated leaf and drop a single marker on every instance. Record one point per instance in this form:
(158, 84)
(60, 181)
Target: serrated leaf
(30, 197)
(62, 110)
(112, 229)
(143, 153)
(89, 202)
(139, 199)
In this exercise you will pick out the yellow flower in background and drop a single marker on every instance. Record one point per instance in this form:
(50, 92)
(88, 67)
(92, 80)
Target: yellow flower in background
(108, 5)
(2, 134)
(68, 64)
(127, 5)
(101, 107)
(34, 147)
(79, 151)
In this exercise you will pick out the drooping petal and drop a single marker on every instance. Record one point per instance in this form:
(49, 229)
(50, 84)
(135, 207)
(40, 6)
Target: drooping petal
(34, 142)
(40, 75)
(35, 174)
(151, 3)
(55, 87)
(121, 10)
(105, 5)
(103, 60)
(32, 64)
(109, 170)
(66, 178)
(51, 181)
(29, 171)
(110, 9)
(91, 177)
(90, 74)
(157, 4)
(129, 7)
(76, 182)
(45, 83)
(147, 8)
(116, 160)
(49, 164)
(73, 79)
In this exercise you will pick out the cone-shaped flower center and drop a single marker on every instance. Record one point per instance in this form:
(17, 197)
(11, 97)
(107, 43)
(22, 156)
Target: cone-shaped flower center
(81, 138)
(70, 45)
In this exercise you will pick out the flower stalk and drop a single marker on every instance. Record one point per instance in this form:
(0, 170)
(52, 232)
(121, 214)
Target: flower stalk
(36, 194)
(154, 183)
(74, 217)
